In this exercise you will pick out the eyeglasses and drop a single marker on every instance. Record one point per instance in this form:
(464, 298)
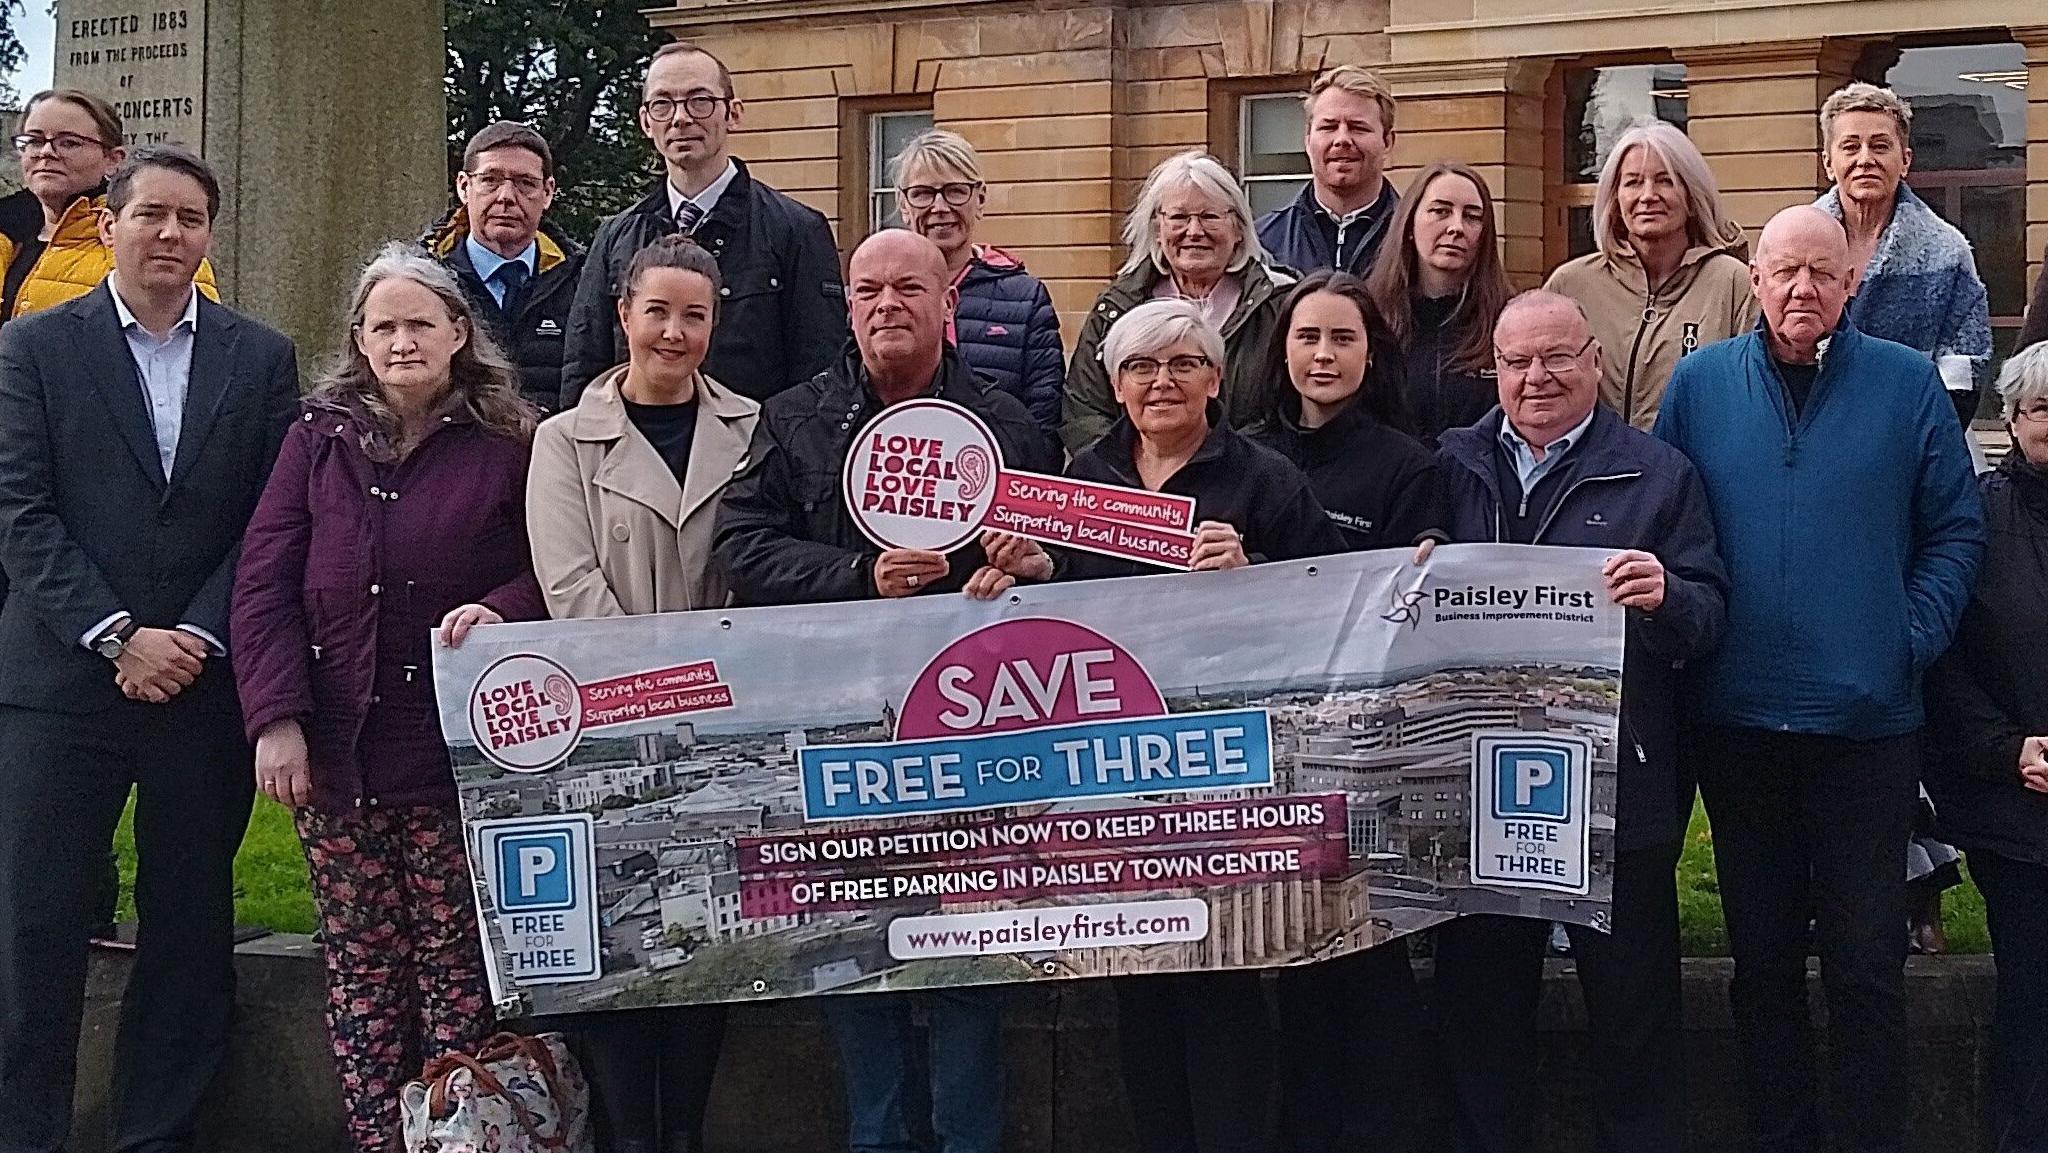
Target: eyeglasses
(1555, 363)
(490, 182)
(1146, 368)
(700, 106)
(956, 193)
(1179, 221)
(65, 143)
(2037, 411)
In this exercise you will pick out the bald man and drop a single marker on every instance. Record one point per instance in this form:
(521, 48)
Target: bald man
(1552, 466)
(785, 536)
(1842, 495)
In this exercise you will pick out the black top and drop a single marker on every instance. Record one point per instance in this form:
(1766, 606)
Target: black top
(669, 428)
(1438, 394)
(1798, 380)
(1245, 485)
(1378, 484)
(25, 256)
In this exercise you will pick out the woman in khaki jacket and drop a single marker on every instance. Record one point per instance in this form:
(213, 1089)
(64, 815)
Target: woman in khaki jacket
(619, 505)
(625, 485)
(1671, 273)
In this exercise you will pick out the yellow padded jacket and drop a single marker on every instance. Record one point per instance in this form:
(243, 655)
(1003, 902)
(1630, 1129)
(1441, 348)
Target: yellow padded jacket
(75, 261)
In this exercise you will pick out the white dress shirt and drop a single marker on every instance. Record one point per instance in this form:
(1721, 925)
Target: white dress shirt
(707, 199)
(165, 370)
(1528, 469)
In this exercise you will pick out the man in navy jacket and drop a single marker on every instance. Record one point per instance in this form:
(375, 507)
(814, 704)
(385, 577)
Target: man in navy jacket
(1550, 466)
(1340, 218)
(1843, 499)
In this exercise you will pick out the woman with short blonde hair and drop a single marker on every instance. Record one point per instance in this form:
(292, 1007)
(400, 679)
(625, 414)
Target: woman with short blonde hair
(1191, 238)
(1004, 324)
(1670, 272)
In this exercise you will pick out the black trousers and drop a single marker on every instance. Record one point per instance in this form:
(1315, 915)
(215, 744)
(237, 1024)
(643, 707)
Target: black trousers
(64, 783)
(650, 1073)
(2016, 905)
(1489, 980)
(1350, 1030)
(1812, 830)
(1197, 1061)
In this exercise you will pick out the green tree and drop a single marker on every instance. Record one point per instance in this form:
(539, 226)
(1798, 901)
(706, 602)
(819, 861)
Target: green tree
(11, 53)
(570, 68)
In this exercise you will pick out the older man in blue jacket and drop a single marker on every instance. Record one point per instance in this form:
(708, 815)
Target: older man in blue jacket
(1550, 466)
(1846, 510)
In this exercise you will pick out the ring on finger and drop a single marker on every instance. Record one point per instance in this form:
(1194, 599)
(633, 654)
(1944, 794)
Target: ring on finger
(911, 580)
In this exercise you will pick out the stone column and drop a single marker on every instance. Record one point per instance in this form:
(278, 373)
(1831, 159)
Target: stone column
(2036, 41)
(1489, 114)
(1755, 115)
(327, 123)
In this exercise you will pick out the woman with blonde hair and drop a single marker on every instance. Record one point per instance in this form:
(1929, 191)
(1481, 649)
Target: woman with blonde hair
(1004, 323)
(396, 512)
(1670, 271)
(1191, 238)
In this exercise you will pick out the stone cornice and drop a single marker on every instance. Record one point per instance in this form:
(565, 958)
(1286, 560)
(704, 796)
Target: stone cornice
(694, 13)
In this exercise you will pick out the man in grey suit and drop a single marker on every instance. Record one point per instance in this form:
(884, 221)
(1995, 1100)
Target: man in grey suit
(138, 424)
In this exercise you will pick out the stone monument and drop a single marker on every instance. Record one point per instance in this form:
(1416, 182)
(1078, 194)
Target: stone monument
(326, 120)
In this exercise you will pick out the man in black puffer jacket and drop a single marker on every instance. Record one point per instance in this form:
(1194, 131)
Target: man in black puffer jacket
(782, 309)
(518, 270)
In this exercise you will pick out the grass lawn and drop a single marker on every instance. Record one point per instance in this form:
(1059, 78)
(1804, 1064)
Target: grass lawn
(270, 886)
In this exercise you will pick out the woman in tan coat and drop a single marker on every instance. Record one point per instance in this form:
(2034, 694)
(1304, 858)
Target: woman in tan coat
(625, 485)
(619, 506)
(1671, 273)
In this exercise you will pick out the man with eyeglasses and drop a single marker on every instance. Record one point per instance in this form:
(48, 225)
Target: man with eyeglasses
(782, 309)
(1843, 496)
(517, 268)
(1552, 466)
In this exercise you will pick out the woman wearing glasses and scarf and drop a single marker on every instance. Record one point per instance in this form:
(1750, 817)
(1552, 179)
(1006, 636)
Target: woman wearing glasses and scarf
(1004, 325)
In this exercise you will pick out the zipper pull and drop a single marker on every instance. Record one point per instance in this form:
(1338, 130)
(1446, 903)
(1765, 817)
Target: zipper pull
(1523, 511)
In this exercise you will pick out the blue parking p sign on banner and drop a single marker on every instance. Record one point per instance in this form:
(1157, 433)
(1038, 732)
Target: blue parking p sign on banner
(539, 878)
(1532, 811)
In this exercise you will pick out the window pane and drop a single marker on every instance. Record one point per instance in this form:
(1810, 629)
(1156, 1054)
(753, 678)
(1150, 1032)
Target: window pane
(1271, 130)
(1969, 106)
(882, 210)
(888, 132)
(1267, 195)
(1578, 231)
(1600, 103)
(1995, 220)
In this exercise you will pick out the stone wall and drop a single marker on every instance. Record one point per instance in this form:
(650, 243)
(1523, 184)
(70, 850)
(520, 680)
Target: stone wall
(1064, 1093)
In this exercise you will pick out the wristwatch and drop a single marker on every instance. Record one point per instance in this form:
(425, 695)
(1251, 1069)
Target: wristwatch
(111, 645)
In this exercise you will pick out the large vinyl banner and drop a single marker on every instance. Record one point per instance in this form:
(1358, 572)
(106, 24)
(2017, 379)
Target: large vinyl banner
(1267, 766)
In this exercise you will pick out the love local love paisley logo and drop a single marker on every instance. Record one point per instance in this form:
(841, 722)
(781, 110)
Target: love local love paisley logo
(525, 713)
(922, 476)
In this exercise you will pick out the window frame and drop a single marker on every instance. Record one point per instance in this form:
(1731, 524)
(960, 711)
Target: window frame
(1560, 195)
(1228, 123)
(858, 141)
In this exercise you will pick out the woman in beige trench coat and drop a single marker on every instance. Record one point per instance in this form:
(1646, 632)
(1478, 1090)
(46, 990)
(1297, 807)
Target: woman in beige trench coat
(624, 486)
(619, 504)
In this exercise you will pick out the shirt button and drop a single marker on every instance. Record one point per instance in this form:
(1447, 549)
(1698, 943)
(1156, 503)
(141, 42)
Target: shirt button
(375, 589)
(620, 532)
(375, 491)
(308, 418)
(725, 292)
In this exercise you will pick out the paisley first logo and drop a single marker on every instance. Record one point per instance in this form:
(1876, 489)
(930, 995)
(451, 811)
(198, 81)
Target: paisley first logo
(525, 713)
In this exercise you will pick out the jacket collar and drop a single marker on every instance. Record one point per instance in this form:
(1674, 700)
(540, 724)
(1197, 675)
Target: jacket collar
(1256, 284)
(633, 469)
(79, 227)
(1119, 445)
(731, 211)
(444, 240)
(1602, 450)
(845, 395)
(214, 336)
(1626, 267)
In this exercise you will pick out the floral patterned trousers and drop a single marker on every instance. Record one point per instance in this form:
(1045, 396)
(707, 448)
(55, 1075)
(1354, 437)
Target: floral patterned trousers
(405, 970)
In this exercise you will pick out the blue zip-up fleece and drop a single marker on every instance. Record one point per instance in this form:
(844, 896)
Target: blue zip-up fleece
(1852, 535)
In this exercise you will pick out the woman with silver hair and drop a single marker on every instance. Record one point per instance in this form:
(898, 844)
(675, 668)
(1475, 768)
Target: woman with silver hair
(1671, 271)
(396, 512)
(1191, 238)
(1194, 1045)
(1988, 703)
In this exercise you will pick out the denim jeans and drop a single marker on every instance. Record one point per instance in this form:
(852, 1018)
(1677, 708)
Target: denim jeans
(2016, 905)
(877, 1048)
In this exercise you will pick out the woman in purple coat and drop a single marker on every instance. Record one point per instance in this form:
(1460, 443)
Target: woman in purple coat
(397, 508)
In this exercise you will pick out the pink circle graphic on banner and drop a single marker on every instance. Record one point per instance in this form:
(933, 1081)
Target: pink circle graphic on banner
(919, 476)
(525, 713)
(1026, 674)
